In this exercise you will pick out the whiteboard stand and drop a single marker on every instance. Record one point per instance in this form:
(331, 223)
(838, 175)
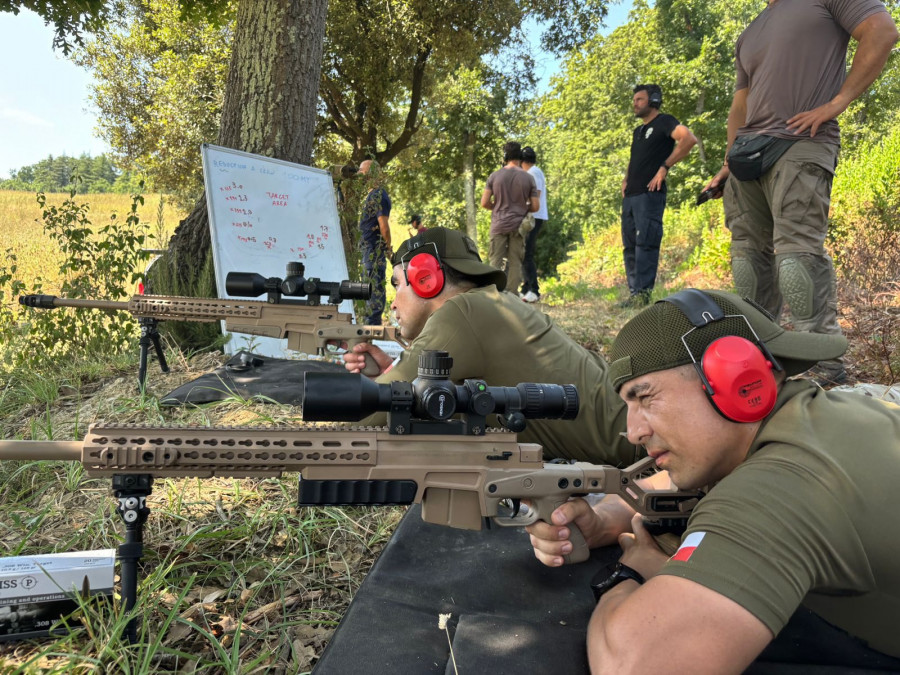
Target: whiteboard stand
(263, 214)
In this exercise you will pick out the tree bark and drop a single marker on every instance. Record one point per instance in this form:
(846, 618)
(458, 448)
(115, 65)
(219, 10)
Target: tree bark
(469, 185)
(701, 148)
(269, 107)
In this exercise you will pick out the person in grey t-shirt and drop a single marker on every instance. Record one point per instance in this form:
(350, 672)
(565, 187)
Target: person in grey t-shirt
(510, 194)
(792, 84)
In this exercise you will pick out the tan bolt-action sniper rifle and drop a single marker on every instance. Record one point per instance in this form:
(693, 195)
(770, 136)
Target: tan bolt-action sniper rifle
(459, 471)
(309, 326)
(458, 479)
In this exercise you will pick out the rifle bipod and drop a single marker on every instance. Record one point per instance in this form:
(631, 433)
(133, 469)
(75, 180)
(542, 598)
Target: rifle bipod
(149, 335)
(132, 491)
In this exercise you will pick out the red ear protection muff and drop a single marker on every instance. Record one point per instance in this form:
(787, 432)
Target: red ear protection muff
(738, 379)
(737, 375)
(425, 275)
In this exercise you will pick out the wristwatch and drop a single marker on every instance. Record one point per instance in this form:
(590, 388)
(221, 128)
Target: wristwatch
(610, 577)
(665, 166)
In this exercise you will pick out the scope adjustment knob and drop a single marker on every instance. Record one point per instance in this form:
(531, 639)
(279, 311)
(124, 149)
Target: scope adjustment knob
(435, 364)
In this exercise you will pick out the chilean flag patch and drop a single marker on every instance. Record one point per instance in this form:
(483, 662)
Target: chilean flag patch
(687, 548)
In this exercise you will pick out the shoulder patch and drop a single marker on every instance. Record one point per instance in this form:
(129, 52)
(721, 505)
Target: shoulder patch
(688, 546)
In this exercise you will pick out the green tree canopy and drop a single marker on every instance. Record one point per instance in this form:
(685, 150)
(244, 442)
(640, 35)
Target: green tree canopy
(160, 79)
(57, 174)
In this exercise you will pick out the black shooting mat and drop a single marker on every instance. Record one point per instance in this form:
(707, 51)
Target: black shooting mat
(247, 374)
(513, 615)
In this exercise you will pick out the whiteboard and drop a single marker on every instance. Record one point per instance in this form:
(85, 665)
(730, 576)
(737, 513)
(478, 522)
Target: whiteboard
(263, 214)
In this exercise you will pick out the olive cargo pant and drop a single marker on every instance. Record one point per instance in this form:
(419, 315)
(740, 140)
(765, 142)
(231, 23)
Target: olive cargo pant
(778, 226)
(511, 248)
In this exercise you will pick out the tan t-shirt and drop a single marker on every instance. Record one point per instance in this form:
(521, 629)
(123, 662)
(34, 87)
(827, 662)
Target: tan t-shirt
(497, 338)
(810, 517)
(793, 58)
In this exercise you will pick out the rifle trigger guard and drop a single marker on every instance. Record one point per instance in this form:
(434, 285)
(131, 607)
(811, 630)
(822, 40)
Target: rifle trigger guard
(517, 520)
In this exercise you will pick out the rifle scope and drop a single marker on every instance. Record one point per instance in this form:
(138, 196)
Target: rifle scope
(340, 397)
(294, 284)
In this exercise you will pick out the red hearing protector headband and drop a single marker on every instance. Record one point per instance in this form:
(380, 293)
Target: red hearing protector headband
(424, 272)
(736, 374)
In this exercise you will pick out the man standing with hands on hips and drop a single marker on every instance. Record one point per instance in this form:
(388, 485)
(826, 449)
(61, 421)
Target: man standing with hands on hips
(783, 143)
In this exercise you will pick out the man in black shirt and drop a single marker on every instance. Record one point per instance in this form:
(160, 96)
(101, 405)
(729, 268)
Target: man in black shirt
(659, 142)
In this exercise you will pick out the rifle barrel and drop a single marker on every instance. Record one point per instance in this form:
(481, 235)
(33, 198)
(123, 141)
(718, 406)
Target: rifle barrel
(40, 450)
(51, 301)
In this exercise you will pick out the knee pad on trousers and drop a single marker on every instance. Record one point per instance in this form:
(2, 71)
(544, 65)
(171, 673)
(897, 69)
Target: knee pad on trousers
(745, 279)
(796, 286)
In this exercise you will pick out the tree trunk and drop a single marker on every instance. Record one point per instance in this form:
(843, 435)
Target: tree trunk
(469, 185)
(701, 148)
(269, 107)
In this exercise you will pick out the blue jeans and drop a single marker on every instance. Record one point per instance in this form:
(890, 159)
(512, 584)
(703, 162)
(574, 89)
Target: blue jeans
(642, 231)
(529, 268)
(375, 264)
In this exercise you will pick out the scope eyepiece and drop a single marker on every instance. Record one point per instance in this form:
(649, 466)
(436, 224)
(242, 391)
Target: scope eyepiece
(355, 290)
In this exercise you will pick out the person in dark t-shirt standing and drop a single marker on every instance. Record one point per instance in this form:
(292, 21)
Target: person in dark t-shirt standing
(658, 143)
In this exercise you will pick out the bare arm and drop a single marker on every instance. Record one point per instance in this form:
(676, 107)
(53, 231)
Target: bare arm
(737, 115)
(876, 35)
(535, 203)
(684, 141)
(487, 200)
(703, 632)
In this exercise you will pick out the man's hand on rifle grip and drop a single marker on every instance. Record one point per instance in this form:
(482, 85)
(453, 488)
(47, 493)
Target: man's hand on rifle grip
(599, 526)
(575, 548)
(366, 358)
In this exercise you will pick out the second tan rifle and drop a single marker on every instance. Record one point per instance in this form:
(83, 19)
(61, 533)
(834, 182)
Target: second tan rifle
(309, 326)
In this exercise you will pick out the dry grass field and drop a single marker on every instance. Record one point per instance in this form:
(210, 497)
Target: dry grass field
(22, 232)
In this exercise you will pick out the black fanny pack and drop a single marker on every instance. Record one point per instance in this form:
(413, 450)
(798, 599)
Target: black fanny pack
(753, 155)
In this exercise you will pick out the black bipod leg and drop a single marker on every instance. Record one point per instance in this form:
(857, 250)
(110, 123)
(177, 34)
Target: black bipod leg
(149, 336)
(132, 491)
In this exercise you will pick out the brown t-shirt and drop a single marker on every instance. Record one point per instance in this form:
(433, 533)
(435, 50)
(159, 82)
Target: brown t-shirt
(793, 58)
(513, 189)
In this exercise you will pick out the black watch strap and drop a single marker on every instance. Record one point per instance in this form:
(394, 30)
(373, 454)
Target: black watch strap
(611, 577)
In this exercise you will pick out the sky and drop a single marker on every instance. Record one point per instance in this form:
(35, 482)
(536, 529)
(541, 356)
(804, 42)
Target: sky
(44, 104)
